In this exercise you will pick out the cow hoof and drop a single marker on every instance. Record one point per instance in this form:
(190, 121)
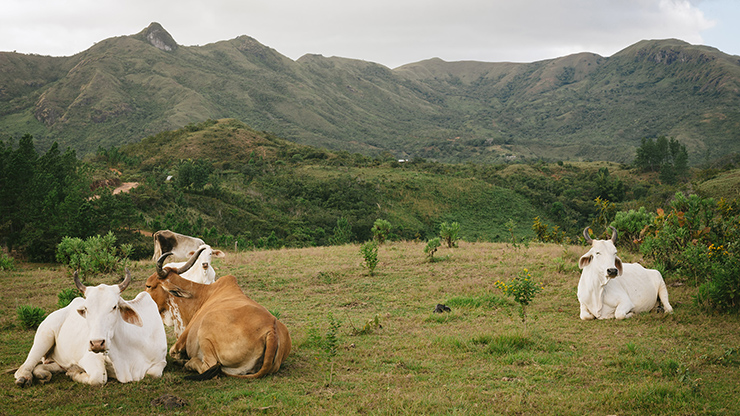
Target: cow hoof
(75, 370)
(24, 381)
(44, 377)
(179, 355)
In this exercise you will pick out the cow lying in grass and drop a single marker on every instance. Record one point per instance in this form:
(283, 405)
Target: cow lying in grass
(98, 336)
(611, 289)
(219, 328)
(204, 271)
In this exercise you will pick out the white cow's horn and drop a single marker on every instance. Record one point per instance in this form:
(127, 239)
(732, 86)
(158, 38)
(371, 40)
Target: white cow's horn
(586, 236)
(79, 284)
(126, 281)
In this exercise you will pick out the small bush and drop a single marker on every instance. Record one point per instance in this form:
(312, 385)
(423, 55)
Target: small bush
(94, 255)
(30, 316)
(6, 262)
(66, 296)
(631, 225)
(381, 230)
(546, 235)
(431, 248)
(523, 289)
(449, 233)
(369, 252)
(342, 232)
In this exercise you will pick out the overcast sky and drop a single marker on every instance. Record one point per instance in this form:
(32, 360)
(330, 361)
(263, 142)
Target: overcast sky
(389, 32)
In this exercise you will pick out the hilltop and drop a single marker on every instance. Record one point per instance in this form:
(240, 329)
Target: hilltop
(577, 107)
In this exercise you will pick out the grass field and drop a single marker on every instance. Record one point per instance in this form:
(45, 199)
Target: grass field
(476, 359)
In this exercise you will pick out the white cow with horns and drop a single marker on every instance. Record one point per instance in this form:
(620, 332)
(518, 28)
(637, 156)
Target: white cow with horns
(611, 289)
(204, 273)
(98, 336)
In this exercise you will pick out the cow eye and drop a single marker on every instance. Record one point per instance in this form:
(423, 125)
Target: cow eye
(115, 307)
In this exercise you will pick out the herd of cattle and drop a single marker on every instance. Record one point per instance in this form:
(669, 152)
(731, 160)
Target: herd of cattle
(221, 330)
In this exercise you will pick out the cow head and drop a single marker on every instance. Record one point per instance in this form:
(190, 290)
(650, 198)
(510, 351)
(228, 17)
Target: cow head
(166, 285)
(205, 256)
(602, 258)
(102, 309)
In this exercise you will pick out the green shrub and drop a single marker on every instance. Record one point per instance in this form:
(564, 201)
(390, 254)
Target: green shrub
(631, 225)
(95, 255)
(30, 316)
(342, 232)
(720, 291)
(546, 235)
(523, 289)
(449, 233)
(66, 296)
(432, 247)
(381, 230)
(369, 252)
(6, 262)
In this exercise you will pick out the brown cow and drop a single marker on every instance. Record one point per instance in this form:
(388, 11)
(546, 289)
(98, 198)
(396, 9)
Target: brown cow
(222, 328)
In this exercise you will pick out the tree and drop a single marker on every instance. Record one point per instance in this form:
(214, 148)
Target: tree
(668, 157)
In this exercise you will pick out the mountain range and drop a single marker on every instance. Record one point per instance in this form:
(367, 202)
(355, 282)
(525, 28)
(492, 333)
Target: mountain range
(577, 107)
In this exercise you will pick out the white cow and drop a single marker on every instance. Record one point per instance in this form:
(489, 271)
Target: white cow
(178, 244)
(204, 273)
(611, 289)
(98, 336)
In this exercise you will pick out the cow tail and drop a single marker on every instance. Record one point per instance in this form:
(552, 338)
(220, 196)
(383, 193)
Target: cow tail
(272, 343)
(206, 375)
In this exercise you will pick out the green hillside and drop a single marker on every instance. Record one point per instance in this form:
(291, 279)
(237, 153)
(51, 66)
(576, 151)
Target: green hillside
(578, 107)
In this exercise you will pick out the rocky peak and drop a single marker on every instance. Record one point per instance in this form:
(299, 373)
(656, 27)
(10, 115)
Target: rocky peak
(159, 38)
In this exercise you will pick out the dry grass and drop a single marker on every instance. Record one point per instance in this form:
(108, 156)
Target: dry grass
(477, 359)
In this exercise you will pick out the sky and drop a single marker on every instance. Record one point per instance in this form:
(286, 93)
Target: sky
(389, 32)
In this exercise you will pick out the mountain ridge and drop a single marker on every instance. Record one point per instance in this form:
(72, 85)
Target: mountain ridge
(577, 107)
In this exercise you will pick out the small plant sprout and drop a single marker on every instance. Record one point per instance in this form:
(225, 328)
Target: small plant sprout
(369, 252)
(523, 289)
(381, 230)
(449, 233)
(431, 248)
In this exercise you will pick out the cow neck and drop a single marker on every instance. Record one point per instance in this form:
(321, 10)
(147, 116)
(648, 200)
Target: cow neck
(595, 289)
(188, 307)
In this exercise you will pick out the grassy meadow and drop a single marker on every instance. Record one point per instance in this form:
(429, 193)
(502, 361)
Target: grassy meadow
(394, 355)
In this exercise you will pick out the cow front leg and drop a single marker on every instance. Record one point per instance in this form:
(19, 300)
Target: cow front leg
(43, 372)
(43, 342)
(586, 315)
(90, 370)
(624, 311)
(179, 350)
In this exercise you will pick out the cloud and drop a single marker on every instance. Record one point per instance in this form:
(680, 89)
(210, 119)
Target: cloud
(391, 32)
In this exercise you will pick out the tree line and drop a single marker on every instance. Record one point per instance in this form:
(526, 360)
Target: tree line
(46, 197)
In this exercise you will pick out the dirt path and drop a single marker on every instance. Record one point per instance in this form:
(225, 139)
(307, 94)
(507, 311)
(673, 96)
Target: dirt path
(125, 187)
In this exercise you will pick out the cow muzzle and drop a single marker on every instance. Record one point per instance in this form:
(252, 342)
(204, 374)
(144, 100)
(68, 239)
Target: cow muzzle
(98, 345)
(612, 272)
(205, 266)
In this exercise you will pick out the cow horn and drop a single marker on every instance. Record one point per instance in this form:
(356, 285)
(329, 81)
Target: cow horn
(79, 284)
(586, 236)
(126, 281)
(185, 267)
(614, 234)
(160, 262)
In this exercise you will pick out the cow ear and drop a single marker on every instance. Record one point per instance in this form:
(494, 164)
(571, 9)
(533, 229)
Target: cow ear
(585, 260)
(191, 254)
(618, 263)
(129, 314)
(179, 292)
(219, 253)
